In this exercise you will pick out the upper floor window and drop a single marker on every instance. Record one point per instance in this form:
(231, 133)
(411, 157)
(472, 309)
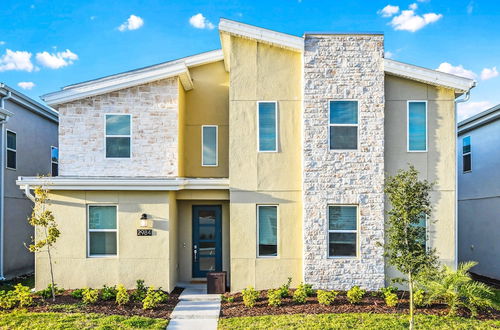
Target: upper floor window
(102, 230)
(466, 155)
(342, 230)
(417, 126)
(118, 136)
(267, 229)
(54, 161)
(209, 145)
(267, 125)
(343, 125)
(11, 150)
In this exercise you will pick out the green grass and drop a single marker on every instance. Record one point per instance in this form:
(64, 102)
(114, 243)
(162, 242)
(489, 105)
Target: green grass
(354, 321)
(9, 285)
(33, 321)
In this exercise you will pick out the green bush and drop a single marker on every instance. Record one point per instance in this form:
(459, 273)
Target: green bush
(285, 289)
(108, 292)
(250, 296)
(140, 291)
(326, 297)
(274, 297)
(355, 295)
(122, 296)
(389, 289)
(8, 299)
(419, 298)
(391, 299)
(224, 298)
(300, 294)
(77, 293)
(23, 295)
(153, 298)
(90, 296)
(47, 292)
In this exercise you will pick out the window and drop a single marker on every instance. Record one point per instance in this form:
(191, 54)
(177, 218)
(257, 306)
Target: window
(11, 150)
(102, 233)
(342, 231)
(209, 145)
(343, 125)
(267, 227)
(118, 136)
(267, 126)
(54, 161)
(417, 126)
(422, 227)
(466, 155)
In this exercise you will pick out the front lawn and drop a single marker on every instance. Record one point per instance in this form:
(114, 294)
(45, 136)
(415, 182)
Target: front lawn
(26, 320)
(354, 321)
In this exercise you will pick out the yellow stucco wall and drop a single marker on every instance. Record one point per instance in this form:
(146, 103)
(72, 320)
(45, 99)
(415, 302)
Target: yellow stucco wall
(436, 165)
(259, 72)
(206, 104)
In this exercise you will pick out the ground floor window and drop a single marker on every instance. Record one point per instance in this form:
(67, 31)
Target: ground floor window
(102, 230)
(342, 230)
(267, 229)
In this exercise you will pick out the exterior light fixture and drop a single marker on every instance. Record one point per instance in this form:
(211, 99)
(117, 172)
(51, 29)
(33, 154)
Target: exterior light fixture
(144, 220)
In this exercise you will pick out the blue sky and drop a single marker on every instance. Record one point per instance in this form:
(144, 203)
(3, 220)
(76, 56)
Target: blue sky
(46, 45)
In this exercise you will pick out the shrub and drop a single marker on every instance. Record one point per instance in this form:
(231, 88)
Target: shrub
(391, 299)
(274, 297)
(77, 293)
(140, 291)
(308, 288)
(47, 292)
(90, 296)
(250, 296)
(355, 295)
(285, 289)
(419, 298)
(23, 295)
(8, 299)
(153, 298)
(326, 297)
(389, 289)
(300, 294)
(224, 298)
(108, 292)
(122, 296)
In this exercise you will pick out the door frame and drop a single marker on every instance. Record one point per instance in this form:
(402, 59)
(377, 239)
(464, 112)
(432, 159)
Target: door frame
(195, 271)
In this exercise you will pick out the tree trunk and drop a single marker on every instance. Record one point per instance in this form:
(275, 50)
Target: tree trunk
(410, 284)
(51, 271)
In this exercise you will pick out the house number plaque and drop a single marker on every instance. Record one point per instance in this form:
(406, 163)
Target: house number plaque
(144, 232)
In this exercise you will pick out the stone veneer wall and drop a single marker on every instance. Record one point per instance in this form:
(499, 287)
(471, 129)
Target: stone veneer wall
(155, 127)
(343, 67)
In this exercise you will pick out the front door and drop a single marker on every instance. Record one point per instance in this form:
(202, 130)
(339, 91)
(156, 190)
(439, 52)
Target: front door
(207, 240)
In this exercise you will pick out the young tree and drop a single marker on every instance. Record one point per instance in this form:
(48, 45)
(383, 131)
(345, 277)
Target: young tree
(45, 227)
(409, 198)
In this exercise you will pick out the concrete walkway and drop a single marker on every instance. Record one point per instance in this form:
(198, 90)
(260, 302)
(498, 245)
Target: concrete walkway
(196, 309)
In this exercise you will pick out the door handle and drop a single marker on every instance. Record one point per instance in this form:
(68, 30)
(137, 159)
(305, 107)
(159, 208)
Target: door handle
(195, 251)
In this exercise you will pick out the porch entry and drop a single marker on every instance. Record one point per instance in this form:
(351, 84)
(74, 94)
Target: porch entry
(207, 239)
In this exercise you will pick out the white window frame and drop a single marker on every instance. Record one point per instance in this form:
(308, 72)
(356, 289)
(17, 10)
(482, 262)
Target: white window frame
(106, 135)
(216, 146)
(345, 125)
(408, 126)
(102, 231)
(53, 162)
(277, 231)
(276, 126)
(467, 153)
(10, 149)
(341, 231)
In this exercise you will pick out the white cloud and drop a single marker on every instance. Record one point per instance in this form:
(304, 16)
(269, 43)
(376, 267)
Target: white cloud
(488, 73)
(458, 70)
(469, 109)
(26, 84)
(413, 6)
(388, 11)
(132, 23)
(409, 21)
(200, 22)
(16, 60)
(56, 60)
(93, 18)
(388, 54)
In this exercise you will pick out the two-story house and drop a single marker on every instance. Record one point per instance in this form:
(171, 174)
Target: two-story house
(265, 159)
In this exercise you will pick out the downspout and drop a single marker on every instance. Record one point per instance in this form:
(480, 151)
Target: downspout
(465, 99)
(2, 177)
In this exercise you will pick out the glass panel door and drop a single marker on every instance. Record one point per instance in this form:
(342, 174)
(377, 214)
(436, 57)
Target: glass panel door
(207, 240)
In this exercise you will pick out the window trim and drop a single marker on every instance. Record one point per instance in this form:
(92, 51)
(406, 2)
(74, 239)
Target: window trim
(276, 125)
(10, 149)
(344, 125)
(467, 153)
(216, 146)
(106, 135)
(102, 231)
(277, 232)
(52, 162)
(328, 231)
(408, 126)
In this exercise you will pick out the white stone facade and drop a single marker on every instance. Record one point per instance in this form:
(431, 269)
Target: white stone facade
(343, 67)
(155, 131)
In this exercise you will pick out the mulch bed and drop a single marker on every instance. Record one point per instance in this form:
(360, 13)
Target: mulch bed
(370, 304)
(109, 307)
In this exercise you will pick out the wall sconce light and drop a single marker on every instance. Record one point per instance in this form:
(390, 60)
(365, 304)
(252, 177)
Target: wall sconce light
(144, 220)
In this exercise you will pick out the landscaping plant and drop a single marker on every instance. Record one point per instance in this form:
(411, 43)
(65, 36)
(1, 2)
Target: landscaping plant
(47, 292)
(140, 291)
(300, 294)
(153, 298)
(77, 293)
(274, 297)
(23, 295)
(250, 296)
(90, 296)
(326, 297)
(285, 288)
(409, 199)
(8, 299)
(225, 298)
(391, 299)
(108, 292)
(355, 295)
(122, 296)
(419, 298)
(45, 226)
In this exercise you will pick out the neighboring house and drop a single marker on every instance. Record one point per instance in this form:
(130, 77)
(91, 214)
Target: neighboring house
(265, 159)
(478, 148)
(29, 148)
